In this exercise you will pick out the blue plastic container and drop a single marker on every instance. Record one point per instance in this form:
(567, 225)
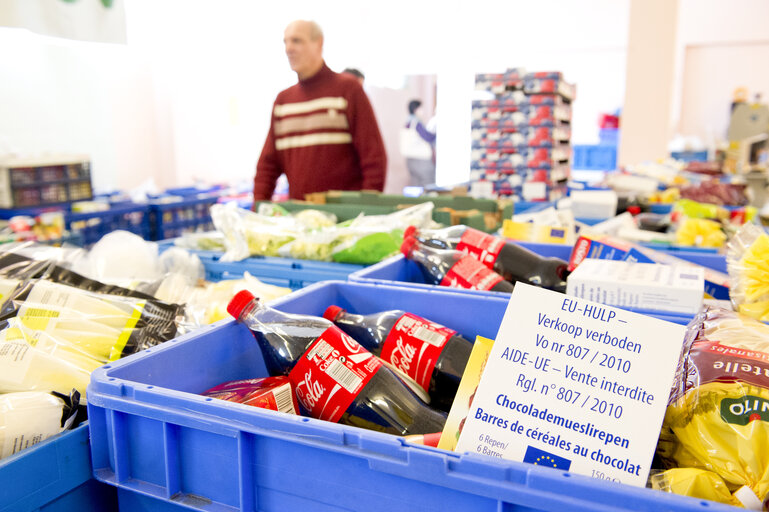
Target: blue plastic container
(596, 158)
(54, 476)
(171, 219)
(155, 438)
(402, 272)
(690, 156)
(286, 272)
(91, 226)
(609, 136)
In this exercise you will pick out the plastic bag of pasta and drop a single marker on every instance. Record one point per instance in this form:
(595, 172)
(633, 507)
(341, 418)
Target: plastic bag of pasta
(715, 436)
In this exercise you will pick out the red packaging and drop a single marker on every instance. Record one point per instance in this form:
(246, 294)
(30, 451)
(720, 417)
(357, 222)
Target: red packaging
(275, 393)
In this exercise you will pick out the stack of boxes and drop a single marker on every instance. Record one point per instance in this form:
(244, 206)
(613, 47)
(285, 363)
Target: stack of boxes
(520, 138)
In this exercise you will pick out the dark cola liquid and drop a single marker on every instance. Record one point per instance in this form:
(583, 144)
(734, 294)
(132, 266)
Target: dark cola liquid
(384, 404)
(435, 266)
(371, 331)
(514, 263)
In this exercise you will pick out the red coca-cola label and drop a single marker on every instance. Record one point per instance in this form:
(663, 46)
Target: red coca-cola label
(471, 274)
(331, 373)
(482, 246)
(414, 345)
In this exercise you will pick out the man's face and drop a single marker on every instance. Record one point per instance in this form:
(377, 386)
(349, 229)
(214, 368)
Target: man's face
(304, 54)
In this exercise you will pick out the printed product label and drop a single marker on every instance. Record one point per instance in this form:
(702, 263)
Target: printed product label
(482, 246)
(331, 373)
(15, 360)
(470, 274)
(719, 363)
(277, 399)
(414, 345)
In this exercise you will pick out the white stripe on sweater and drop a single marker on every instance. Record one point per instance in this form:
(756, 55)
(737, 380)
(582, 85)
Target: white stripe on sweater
(303, 107)
(312, 139)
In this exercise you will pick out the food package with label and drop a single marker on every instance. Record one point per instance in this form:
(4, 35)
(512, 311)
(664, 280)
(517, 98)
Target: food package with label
(714, 437)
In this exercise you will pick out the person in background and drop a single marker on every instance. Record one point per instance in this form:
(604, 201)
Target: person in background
(356, 73)
(417, 146)
(323, 133)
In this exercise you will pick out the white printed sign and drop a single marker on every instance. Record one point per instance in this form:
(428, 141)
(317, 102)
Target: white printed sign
(574, 385)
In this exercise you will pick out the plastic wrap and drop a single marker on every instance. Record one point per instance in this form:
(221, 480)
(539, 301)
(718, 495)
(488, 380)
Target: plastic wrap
(207, 303)
(207, 241)
(747, 261)
(309, 234)
(715, 434)
(32, 360)
(106, 326)
(28, 418)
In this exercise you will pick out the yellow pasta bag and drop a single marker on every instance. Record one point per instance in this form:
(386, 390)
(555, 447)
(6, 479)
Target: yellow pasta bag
(715, 436)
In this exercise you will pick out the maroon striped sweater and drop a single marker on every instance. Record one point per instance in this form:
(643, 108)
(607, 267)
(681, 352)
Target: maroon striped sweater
(324, 136)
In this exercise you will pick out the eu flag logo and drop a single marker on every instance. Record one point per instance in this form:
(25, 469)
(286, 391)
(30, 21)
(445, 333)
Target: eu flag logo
(542, 458)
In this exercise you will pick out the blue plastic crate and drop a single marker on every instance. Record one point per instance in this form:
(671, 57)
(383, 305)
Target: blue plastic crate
(91, 226)
(170, 220)
(164, 445)
(287, 272)
(609, 136)
(54, 476)
(402, 272)
(690, 156)
(597, 158)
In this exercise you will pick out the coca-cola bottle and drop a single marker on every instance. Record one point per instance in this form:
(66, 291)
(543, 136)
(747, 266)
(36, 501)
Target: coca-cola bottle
(453, 268)
(335, 378)
(510, 260)
(434, 356)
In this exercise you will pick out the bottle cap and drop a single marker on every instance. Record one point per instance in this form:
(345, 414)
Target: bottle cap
(239, 302)
(332, 312)
(634, 210)
(409, 232)
(407, 245)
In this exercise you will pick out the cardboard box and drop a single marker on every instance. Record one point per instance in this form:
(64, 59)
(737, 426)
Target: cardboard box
(646, 286)
(533, 115)
(524, 135)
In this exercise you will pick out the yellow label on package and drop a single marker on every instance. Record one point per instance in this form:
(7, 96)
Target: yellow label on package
(465, 393)
(529, 232)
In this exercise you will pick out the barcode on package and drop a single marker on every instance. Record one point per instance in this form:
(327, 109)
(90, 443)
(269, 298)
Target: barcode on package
(283, 399)
(343, 376)
(425, 335)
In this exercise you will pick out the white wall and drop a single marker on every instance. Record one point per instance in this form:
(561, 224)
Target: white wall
(721, 46)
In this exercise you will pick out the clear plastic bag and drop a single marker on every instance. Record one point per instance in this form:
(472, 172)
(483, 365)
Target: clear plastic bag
(32, 360)
(715, 428)
(28, 418)
(106, 326)
(747, 260)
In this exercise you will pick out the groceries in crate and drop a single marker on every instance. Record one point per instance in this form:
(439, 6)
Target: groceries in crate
(274, 393)
(614, 248)
(48, 226)
(432, 355)
(453, 268)
(747, 261)
(713, 439)
(174, 276)
(36, 360)
(311, 235)
(510, 260)
(335, 378)
(205, 241)
(29, 417)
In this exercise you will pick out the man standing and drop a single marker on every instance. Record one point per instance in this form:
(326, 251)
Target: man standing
(323, 134)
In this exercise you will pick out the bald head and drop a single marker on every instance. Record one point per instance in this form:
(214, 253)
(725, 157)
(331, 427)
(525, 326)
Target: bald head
(304, 47)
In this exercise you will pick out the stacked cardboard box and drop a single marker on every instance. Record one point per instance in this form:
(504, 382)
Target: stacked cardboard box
(520, 138)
